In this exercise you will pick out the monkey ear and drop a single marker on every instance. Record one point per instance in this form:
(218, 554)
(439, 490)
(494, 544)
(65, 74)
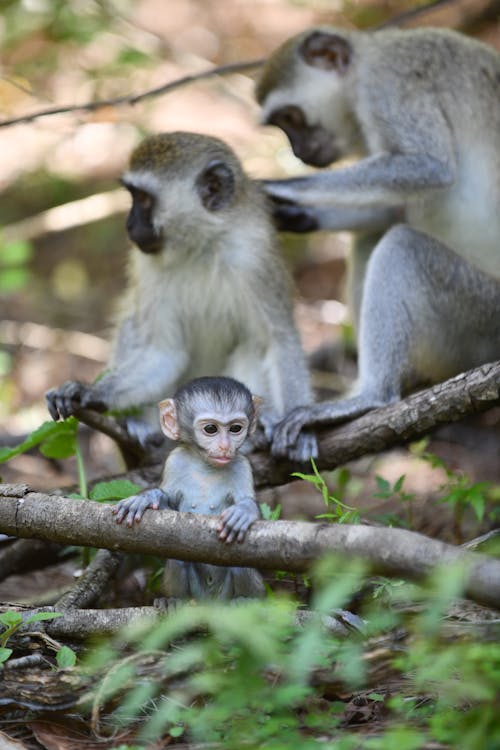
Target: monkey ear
(257, 400)
(168, 418)
(326, 51)
(215, 185)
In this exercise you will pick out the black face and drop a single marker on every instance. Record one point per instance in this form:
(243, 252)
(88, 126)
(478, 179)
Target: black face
(312, 144)
(215, 185)
(140, 221)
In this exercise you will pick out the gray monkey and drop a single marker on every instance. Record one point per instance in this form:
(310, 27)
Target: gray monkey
(420, 111)
(209, 293)
(211, 418)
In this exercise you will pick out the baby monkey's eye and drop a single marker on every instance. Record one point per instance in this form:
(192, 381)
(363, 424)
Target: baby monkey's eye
(235, 428)
(210, 429)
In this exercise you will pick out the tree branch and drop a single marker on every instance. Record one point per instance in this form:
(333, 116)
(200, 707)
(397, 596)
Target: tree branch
(132, 99)
(282, 545)
(469, 393)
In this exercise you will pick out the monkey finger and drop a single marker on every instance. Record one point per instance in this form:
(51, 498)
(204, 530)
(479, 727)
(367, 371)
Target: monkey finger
(289, 217)
(305, 448)
(51, 401)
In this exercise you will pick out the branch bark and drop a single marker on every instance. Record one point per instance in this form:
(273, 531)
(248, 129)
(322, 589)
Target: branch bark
(469, 393)
(283, 545)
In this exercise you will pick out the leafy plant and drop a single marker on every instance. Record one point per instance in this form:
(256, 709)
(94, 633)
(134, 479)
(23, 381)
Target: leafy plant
(387, 491)
(270, 514)
(12, 621)
(337, 511)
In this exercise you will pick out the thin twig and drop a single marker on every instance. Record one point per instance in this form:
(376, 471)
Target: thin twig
(136, 98)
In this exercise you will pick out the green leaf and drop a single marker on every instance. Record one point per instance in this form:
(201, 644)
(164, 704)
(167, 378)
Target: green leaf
(41, 616)
(384, 487)
(13, 279)
(59, 446)
(16, 253)
(477, 502)
(398, 485)
(4, 654)
(176, 731)
(66, 657)
(45, 432)
(116, 489)
(11, 619)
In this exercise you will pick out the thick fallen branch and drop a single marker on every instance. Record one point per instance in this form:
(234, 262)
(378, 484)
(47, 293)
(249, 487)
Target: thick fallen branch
(283, 545)
(468, 393)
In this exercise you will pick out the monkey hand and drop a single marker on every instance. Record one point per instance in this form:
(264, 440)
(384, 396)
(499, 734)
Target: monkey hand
(288, 440)
(237, 519)
(61, 401)
(292, 217)
(132, 509)
(305, 447)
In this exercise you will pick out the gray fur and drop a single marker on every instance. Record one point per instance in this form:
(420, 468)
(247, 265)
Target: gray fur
(422, 110)
(216, 299)
(191, 485)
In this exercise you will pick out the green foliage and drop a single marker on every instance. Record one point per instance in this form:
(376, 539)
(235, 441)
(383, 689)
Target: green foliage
(11, 621)
(386, 491)
(65, 657)
(14, 274)
(245, 674)
(270, 514)
(337, 511)
(116, 489)
(236, 671)
(55, 439)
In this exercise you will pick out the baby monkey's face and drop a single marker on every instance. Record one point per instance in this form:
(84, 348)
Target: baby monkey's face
(220, 438)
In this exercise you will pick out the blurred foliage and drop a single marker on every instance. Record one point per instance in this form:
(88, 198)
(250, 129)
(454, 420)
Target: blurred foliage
(246, 675)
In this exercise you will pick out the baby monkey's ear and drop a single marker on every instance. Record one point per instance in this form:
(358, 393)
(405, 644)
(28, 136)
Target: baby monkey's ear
(257, 400)
(168, 418)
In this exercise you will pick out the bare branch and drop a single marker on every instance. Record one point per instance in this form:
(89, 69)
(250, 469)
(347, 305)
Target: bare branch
(132, 99)
(282, 545)
(468, 393)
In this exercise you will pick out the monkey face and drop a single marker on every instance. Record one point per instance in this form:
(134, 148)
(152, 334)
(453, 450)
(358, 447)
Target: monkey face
(218, 439)
(312, 144)
(304, 90)
(140, 226)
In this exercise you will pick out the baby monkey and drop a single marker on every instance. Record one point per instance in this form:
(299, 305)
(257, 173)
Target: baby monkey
(210, 417)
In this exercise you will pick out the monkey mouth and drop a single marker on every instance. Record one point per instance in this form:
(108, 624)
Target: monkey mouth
(220, 460)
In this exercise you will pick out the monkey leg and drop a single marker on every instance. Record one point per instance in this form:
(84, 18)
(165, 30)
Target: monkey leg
(426, 314)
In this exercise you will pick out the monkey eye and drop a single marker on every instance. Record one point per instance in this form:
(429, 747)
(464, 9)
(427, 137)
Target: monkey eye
(236, 428)
(210, 429)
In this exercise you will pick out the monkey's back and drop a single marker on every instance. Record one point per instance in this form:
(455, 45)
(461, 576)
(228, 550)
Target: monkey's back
(442, 89)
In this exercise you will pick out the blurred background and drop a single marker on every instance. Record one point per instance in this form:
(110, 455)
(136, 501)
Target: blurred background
(63, 246)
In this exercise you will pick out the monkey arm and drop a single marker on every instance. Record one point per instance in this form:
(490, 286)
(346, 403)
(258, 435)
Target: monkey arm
(294, 217)
(142, 377)
(383, 179)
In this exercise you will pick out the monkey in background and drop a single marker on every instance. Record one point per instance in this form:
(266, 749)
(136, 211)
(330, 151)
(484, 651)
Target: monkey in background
(209, 293)
(210, 418)
(421, 111)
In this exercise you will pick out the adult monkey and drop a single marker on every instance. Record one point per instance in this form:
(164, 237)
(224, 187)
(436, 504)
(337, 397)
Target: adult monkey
(422, 110)
(208, 293)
